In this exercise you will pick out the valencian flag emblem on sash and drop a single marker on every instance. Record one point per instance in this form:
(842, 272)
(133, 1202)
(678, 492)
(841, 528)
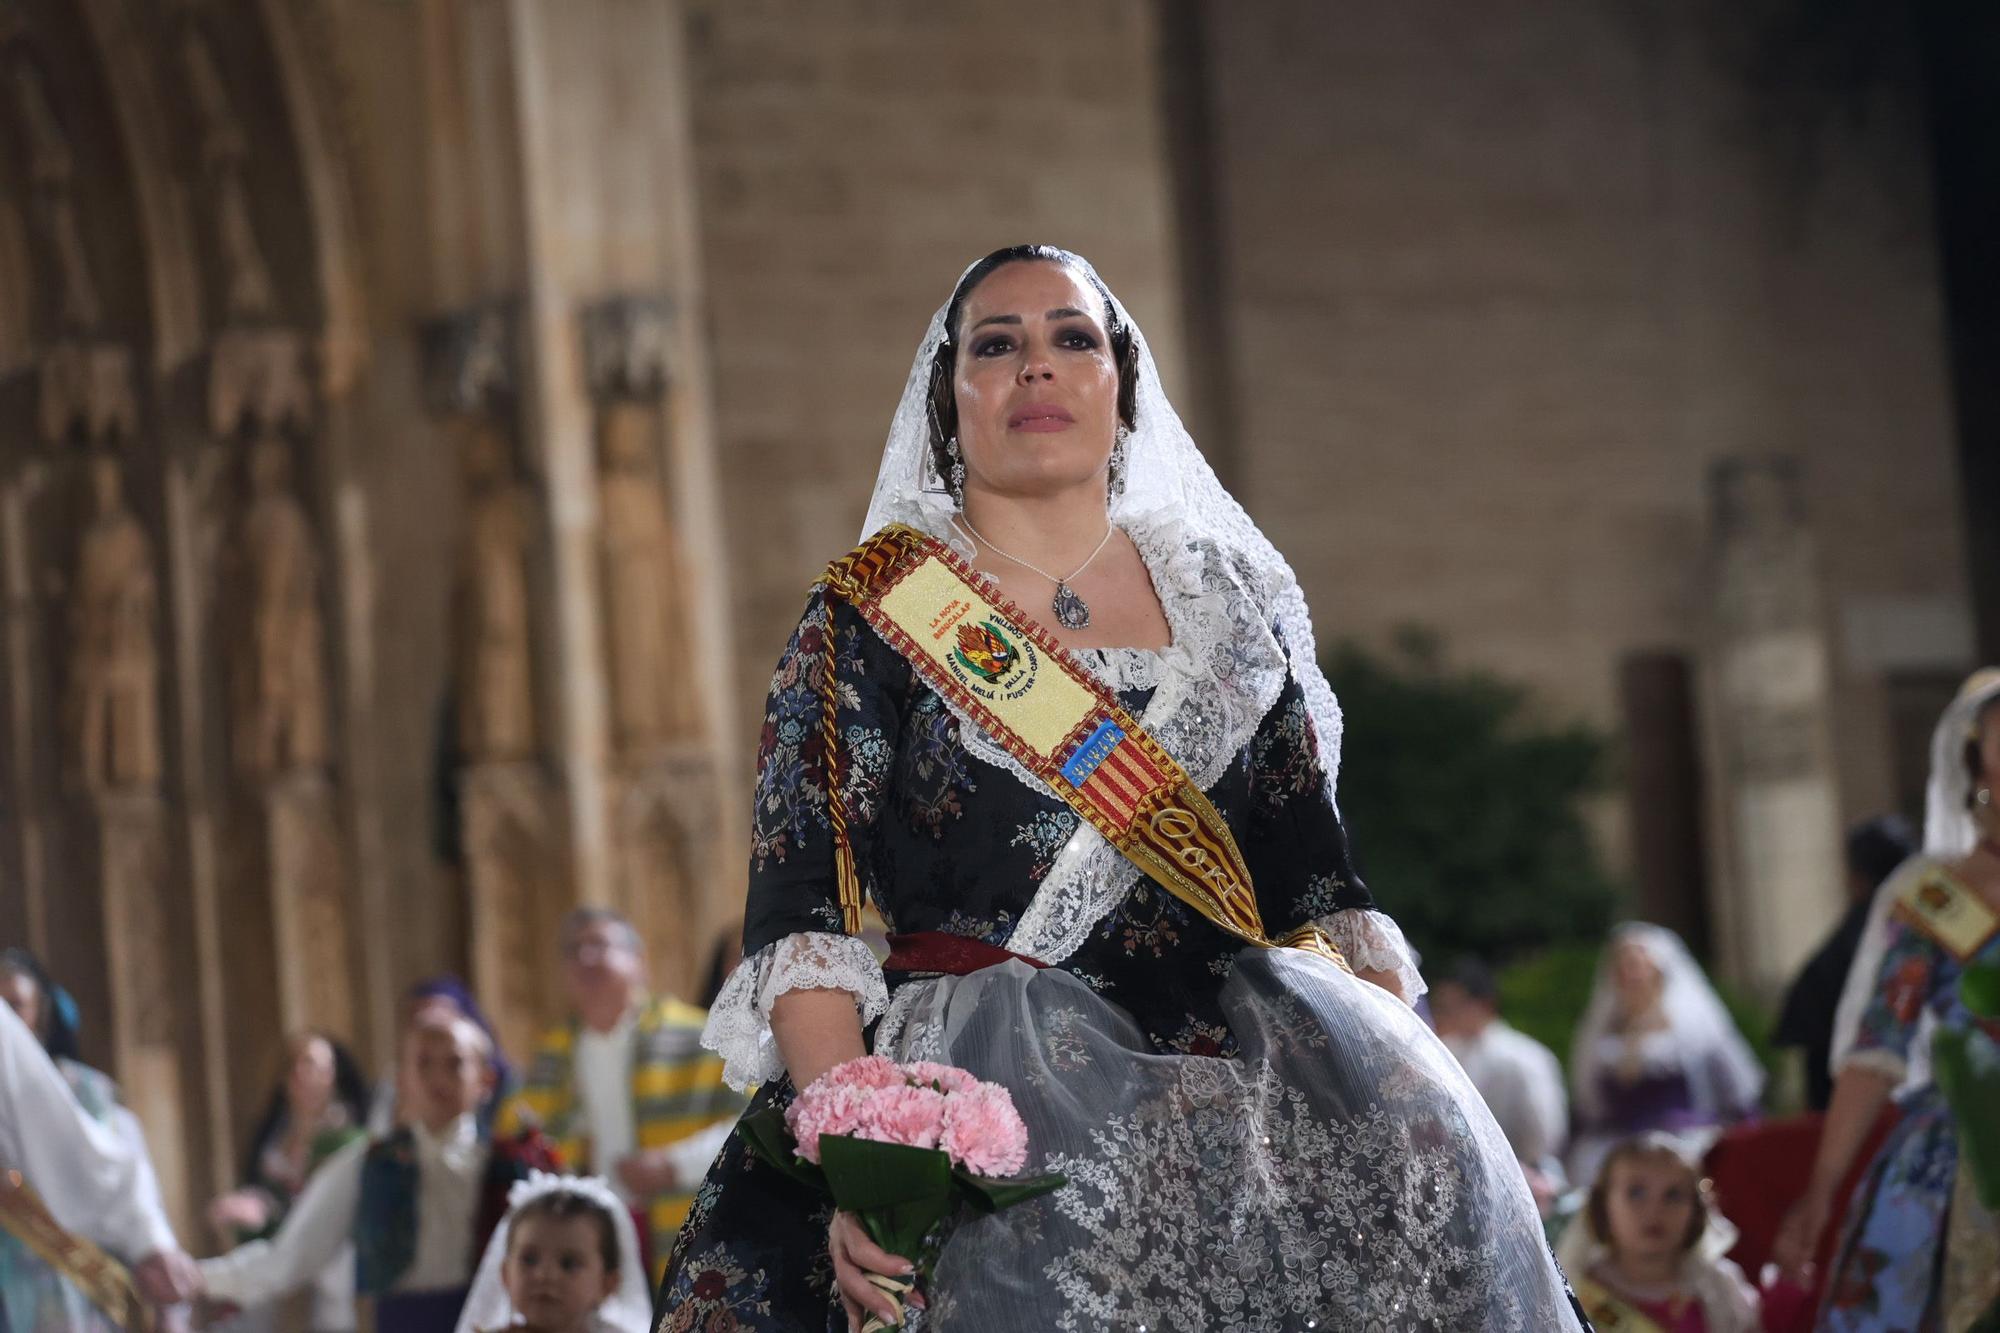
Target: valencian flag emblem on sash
(1017, 683)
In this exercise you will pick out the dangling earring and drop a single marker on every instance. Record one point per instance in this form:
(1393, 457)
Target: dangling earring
(954, 472)
(1115, 473)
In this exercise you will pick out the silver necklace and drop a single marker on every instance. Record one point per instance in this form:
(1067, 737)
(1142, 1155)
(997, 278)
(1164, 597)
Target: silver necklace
(1071, 611)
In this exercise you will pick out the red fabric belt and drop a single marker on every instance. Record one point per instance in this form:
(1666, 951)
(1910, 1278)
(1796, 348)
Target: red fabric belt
(942, 951)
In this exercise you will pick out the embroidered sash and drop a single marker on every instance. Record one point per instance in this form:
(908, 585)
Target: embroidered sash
(1937, 904)
(1610, 1312)
(1031, 697)
(102, 1279)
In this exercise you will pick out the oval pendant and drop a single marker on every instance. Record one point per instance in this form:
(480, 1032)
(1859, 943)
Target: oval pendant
(1072, 612)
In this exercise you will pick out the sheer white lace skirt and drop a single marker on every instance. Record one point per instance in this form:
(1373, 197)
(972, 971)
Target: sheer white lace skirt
(1339, 1173)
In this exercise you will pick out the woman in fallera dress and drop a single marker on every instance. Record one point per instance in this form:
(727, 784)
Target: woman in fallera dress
(1917, 1249)
(1655, 1052)
(1256, 1136)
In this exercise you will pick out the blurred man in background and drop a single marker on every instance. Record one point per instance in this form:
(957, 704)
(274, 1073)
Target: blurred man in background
(624, 1087)
(1874, 850)
(1520, 1079)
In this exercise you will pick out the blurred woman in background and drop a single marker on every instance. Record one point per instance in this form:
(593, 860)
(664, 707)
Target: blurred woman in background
(319, 1105)
(1656, 1051)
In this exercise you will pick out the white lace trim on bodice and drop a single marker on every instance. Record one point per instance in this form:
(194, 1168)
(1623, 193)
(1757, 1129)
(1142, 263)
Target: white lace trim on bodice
(739, 1023)
(1211, 689)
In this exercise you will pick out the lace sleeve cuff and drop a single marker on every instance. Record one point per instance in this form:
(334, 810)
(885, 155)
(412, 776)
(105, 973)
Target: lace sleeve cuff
(1875, 1060)
(1372, 940)
(739, 1024)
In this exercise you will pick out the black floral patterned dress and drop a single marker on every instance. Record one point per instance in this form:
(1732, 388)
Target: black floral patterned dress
(948, 836)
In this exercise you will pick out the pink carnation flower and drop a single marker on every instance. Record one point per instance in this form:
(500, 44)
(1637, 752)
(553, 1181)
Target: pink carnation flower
(983, 1132)
(948, 1077)
(907, 1115)
(865, 1072)
(823, 1109)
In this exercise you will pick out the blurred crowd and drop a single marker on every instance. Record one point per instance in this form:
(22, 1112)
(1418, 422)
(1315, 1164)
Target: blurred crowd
(435, 1196)
(1678, 1202)
(367, 1200)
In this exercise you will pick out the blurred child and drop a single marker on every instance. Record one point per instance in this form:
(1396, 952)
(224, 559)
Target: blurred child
(1646, 1256)
(417, 1204)
(565, 1260)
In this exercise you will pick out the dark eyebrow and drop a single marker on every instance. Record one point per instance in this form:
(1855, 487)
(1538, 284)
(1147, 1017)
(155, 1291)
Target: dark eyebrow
(1061, 312)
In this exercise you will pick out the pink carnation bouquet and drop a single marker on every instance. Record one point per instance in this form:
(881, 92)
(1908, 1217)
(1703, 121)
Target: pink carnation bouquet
(904, 1148)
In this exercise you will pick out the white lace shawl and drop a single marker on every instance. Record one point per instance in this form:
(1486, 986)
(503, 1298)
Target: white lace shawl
(1212, 688)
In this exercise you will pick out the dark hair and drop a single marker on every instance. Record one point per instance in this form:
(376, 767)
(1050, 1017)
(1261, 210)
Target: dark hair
(1877, 846)
(564, 1206)
(941, 405)
(1474, 977)
(59, 1020)
(350, 1091)
(1646, 1148)
(446, 986)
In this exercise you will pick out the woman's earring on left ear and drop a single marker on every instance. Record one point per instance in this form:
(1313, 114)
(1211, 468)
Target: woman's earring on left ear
(1115, 474)
(954, 476)
(1983, 796)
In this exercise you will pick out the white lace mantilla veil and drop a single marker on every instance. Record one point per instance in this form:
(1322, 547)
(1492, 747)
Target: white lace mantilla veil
(630, 1308)
(1728, 1076)
(1950, 833)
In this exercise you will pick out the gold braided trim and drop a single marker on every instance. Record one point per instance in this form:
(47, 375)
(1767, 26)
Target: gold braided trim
(102, 1279)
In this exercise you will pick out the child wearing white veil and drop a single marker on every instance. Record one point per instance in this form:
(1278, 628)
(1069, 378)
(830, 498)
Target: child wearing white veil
(564, 1260)
(1656, 1051)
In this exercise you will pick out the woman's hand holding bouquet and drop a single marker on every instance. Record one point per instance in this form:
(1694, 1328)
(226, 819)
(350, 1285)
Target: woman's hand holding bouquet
(902, 1148)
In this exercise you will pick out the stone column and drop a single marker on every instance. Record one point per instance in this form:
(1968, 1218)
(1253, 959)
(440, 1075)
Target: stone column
(273, 586)
(664, 776)
(510, 810)
(1778, 884)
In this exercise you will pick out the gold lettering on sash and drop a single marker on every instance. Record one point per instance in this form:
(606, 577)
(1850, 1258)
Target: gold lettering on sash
(1178, 828)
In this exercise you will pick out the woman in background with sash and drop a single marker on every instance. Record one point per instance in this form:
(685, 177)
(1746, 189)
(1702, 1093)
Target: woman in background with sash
(1917, 1251)
(1060, 719)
